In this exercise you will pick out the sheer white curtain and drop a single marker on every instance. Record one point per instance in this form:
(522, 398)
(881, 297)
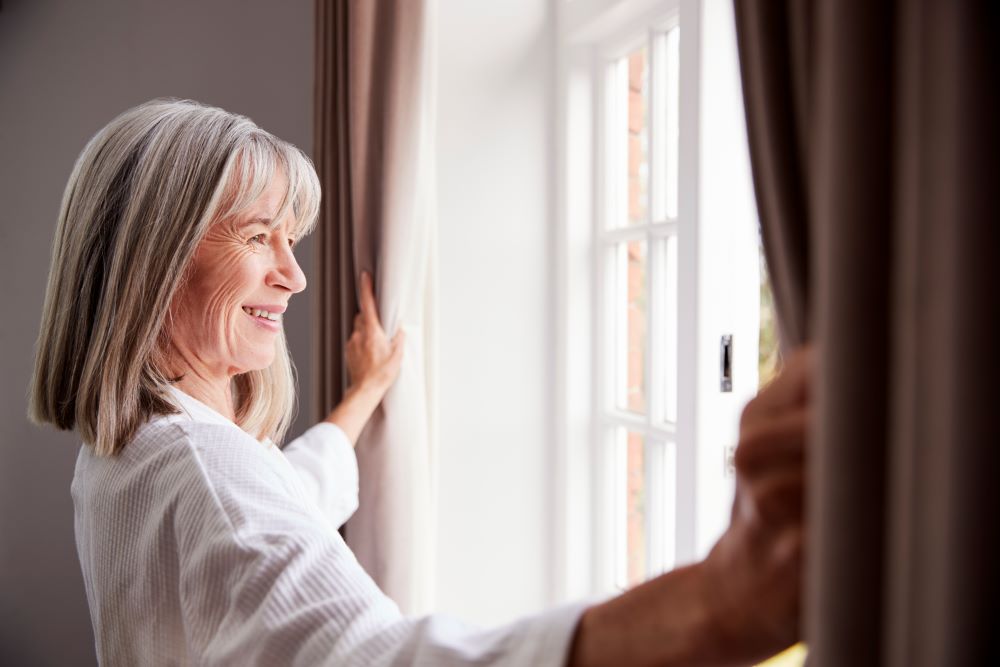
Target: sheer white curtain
(375, 150)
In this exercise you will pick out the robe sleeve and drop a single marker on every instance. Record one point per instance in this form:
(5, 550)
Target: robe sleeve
(324, 459)
(264, 580)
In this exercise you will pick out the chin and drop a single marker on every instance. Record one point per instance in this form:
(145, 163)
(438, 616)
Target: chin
(262, 365)
(256, 364)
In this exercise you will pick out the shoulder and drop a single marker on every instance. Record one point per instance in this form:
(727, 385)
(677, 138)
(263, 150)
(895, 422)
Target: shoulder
(213, 444)
(197, 445)
(202, 462)
(222, 471)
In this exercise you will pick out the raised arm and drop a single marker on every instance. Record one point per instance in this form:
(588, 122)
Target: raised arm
(323, 456)
(324, 459)
(373, 362)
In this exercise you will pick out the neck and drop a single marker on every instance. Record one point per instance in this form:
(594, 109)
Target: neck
(217, 396)
(214, 389)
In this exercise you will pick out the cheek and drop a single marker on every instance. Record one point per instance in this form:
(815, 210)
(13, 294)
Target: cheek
(216, 293)
(231, 286)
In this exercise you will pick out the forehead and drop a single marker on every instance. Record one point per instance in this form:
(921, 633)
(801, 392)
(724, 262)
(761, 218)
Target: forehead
(270, 207)
(269, 203)
(267, 181)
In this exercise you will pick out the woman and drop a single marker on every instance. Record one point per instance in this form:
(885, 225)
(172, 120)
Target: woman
(203, 542)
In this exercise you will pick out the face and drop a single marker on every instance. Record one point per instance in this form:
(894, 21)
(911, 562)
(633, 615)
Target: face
(228, 315)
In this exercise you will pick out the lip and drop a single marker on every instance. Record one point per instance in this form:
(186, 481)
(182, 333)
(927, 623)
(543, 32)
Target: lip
(262, 322)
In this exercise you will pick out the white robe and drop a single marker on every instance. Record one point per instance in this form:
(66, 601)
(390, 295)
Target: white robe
(201, 545)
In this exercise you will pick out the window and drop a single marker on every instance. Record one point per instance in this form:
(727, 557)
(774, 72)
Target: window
(659, 287)
(637, 248)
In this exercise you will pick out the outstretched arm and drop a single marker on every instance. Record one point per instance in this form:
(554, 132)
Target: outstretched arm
(740, 604)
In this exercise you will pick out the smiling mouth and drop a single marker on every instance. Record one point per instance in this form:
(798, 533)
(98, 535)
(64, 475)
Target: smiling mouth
(262, 314)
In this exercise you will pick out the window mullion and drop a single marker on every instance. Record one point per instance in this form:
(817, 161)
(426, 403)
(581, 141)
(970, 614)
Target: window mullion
(688, 69)
(663, 228)
(639, 424)
(654, 367)
(655, 524)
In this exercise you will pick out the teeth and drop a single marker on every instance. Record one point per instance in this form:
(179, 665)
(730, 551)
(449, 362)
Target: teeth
(257, 312)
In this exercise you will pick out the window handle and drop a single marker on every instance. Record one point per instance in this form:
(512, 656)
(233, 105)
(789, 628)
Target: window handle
(726, 363)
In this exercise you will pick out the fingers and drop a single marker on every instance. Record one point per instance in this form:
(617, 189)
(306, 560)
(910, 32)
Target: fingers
(773, 441)
(790, 389)
(779, 499)
(770, 464)
(369, 309)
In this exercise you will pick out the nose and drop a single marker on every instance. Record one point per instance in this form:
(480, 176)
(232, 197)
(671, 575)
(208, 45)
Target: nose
(287, 273)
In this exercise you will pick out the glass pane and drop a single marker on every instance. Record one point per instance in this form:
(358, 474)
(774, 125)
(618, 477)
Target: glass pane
(631, 327)
(668, 260)
(631, 514)
(661, 480)
(645, 507)
(637, 136)
(767, 344)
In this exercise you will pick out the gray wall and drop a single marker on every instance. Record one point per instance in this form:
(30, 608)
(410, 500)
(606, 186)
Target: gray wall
(66, 68)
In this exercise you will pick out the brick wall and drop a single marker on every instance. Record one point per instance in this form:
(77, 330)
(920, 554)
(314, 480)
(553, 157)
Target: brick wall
(636, 569)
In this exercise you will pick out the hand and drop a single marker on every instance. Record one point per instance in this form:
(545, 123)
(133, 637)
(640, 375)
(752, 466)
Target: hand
(373, 363)
(740, 604)
(373, 360)
(752, 577)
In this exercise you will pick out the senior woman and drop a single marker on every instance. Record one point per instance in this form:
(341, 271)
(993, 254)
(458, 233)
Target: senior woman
(201, 541)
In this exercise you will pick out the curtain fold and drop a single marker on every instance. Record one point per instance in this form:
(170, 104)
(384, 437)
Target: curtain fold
(874, 145)
(775, 41)
(374, 153)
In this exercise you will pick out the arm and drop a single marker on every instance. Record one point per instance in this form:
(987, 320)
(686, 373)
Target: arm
(373, 362)
(357, 406)
(740, 604)
(264, 580)
(323, 455)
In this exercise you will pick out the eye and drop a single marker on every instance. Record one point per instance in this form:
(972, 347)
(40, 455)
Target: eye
(258, 239)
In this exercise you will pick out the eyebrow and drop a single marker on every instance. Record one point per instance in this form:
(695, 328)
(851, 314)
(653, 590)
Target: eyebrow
(254, 221)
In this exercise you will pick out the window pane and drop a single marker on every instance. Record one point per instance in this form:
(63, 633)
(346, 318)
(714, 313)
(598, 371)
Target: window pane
(767, 344)
(631, 327)
(661, 481)
(645, 507)
(668, 260)
(631, 505)
(637, 136)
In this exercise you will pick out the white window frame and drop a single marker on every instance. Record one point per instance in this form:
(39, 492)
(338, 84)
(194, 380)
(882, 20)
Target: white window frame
(591, 33)
(662, 446)
(718, 282)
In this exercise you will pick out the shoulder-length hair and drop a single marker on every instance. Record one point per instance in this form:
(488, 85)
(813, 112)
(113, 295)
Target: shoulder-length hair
(141, 196)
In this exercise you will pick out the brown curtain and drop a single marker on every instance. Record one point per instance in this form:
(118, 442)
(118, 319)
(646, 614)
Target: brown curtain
(874, 144)
(374, 154)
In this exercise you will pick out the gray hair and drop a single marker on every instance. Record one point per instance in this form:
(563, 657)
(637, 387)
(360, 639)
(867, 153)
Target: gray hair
(141, 196)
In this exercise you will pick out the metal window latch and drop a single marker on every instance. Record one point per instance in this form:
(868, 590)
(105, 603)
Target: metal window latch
(726, 363)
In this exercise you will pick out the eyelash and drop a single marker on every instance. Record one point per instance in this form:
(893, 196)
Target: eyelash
(260, 239)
